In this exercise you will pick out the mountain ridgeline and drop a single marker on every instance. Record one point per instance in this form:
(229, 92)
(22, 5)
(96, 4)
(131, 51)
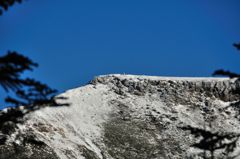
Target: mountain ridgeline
(128, 117)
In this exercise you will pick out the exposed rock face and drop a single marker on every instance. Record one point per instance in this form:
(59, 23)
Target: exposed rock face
(127, 117)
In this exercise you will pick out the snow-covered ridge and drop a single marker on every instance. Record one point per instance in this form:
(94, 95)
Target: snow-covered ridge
(126, 116)
(126, 76)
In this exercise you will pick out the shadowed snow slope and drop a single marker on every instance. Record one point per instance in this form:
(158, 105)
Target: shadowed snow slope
(127, 117)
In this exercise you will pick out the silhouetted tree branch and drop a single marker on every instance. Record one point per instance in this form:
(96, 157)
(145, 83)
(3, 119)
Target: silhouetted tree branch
(5, 4)
(222, 72)
(237, 45)
(29, 92)
(226, 73)
(12, 66)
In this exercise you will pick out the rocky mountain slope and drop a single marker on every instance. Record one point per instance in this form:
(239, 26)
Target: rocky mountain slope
(127, 117)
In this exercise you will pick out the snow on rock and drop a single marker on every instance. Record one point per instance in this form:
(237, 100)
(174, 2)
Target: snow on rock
(127, 117)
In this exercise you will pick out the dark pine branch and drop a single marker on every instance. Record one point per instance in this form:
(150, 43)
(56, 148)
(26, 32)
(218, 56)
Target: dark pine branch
(12, 66)
(5, 4)
(230, 74)
(28, 92)
(226, 73)
(237, 46)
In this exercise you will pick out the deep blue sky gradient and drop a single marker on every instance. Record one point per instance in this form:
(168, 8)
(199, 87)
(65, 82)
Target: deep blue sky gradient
(74, 40)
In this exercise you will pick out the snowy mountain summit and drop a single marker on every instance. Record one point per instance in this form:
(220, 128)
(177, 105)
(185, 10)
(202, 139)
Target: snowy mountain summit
(127, 117)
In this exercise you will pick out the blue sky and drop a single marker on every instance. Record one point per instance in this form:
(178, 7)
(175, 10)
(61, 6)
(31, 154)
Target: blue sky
(73, 41)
